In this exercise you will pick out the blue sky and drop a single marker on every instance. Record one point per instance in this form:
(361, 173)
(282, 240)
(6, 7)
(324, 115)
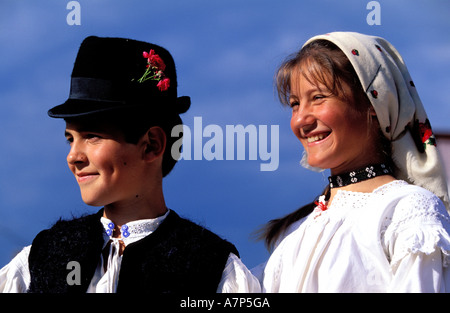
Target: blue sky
(226, 54)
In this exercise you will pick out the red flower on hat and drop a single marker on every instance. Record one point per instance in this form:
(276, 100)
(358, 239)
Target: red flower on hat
(155, 70)
(164, 84)
(154, 60)
(147, 55)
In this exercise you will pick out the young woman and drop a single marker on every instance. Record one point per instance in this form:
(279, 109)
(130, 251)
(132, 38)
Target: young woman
(122, 107)
(381, 224)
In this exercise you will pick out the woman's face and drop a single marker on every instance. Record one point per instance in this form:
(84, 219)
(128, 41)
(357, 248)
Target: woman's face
(334, 135)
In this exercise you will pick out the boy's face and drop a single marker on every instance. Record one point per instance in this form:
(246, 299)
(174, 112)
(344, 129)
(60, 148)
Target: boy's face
(107, 169)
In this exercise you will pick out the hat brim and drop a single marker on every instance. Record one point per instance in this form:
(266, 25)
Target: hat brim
(78, 107)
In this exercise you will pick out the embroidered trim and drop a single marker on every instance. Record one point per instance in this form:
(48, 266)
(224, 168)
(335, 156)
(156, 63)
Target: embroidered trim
(135, 229)
(359, 175)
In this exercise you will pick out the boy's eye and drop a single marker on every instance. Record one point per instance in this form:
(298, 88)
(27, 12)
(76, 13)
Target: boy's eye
(69, 139)
(92, 137)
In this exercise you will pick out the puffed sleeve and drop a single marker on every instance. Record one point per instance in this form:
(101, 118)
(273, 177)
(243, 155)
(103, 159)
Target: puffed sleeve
(15, 276)
(237, 278)
(418, 245)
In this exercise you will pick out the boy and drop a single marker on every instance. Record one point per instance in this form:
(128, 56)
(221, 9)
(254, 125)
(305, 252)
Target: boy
(121, 109)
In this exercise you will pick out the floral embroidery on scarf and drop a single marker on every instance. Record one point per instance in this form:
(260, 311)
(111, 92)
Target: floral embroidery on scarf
(426, 134)
(355, 52)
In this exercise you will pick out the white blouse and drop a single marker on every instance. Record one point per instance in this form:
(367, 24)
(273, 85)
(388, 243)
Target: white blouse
(395, 239)
(15, 276)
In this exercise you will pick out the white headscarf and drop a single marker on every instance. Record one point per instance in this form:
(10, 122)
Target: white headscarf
(389, 87)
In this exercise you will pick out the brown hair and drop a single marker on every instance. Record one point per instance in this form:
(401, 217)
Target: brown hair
(320, 62)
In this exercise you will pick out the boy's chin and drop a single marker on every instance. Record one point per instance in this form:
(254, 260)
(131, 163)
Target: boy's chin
(93, 202)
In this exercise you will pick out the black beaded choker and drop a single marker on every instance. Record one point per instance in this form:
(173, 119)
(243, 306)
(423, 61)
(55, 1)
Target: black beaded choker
(359, 175)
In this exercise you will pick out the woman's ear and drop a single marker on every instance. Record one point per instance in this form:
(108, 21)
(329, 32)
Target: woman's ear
(154, 143)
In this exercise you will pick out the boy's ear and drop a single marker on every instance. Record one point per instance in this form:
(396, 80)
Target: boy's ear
(154, 143)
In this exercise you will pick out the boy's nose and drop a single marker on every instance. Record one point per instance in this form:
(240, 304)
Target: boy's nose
(76, 157)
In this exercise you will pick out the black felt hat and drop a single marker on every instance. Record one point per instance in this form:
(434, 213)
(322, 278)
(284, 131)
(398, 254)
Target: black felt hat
(118, 73)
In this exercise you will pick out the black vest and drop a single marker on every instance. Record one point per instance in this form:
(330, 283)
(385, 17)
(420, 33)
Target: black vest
(179, 257)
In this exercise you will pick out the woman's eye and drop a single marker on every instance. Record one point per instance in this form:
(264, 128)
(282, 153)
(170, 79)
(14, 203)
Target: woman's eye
(318, 97)
(294, 104)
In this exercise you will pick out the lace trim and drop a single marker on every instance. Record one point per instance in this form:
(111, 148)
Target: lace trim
(420, 220)
(419, 224)
(134, 230)
(345, 201)
(386, 187)
(380, 190)
(425, 239)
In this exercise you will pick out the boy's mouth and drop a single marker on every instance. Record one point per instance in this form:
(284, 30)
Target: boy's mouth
(85, 177)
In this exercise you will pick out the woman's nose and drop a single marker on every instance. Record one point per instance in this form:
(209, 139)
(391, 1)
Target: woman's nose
(302, 118)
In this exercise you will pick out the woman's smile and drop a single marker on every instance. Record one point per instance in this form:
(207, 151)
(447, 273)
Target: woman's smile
(317, 138)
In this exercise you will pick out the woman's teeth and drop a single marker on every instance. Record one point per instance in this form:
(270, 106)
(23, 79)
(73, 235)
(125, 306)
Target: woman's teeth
(316, 138)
